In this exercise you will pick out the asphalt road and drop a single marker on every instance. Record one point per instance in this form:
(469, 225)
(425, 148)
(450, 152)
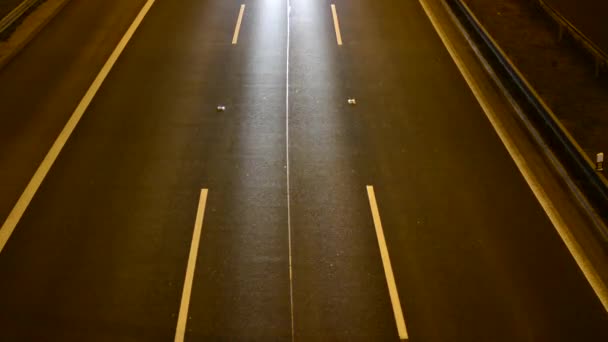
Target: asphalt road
(289, 249)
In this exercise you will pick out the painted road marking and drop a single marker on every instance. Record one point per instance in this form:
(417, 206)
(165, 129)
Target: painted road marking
(558, 223)
(336, 24)
(180, 331)
(386, 262)
(32, 187)
(237, 29)
(287, 172)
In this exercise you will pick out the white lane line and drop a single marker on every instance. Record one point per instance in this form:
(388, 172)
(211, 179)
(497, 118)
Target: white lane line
(556, 219)
(32, 187)
(336, 24)
(287, 171)
(180, 331)
(386, 262)
(237, 29)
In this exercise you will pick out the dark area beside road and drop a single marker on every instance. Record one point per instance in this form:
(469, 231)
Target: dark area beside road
(6, 6)
(588, 16)
(560, 71)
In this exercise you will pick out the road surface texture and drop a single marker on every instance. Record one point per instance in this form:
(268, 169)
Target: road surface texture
(289, 246)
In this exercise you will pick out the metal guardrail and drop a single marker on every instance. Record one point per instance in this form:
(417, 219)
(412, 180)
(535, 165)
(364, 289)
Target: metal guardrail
(13, 17)
(600, 56)
(579, 166)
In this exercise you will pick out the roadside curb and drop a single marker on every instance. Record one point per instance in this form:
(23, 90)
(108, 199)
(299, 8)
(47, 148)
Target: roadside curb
(29, 28)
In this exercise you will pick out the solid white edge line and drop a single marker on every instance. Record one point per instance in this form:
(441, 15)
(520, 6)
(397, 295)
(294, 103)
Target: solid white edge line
(237, 29)
(386, 263)
(182, 319)
(287, 170)
(336, 24)
(32, 187)
(560, 226)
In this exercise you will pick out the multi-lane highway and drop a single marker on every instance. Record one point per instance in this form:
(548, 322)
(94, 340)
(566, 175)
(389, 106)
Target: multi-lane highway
(290, 214)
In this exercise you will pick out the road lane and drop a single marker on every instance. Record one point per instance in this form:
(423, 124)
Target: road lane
(102, 250)
(241, 287)
(340, 292)
(476, 257)
(40, 88)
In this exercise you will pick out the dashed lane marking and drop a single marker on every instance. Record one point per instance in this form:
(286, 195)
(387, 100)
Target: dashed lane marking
(237, 29)
(182, 319)
(386, 262)
(336, 24)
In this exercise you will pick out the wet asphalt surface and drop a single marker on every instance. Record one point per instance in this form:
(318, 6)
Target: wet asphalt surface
(101, 252)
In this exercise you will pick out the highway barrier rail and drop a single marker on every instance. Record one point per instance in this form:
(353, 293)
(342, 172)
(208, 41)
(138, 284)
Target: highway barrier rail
(578, 165)
(585, 21)
(10, 20)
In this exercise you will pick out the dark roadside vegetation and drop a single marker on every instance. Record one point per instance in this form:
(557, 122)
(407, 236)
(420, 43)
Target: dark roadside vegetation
(562, 72)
